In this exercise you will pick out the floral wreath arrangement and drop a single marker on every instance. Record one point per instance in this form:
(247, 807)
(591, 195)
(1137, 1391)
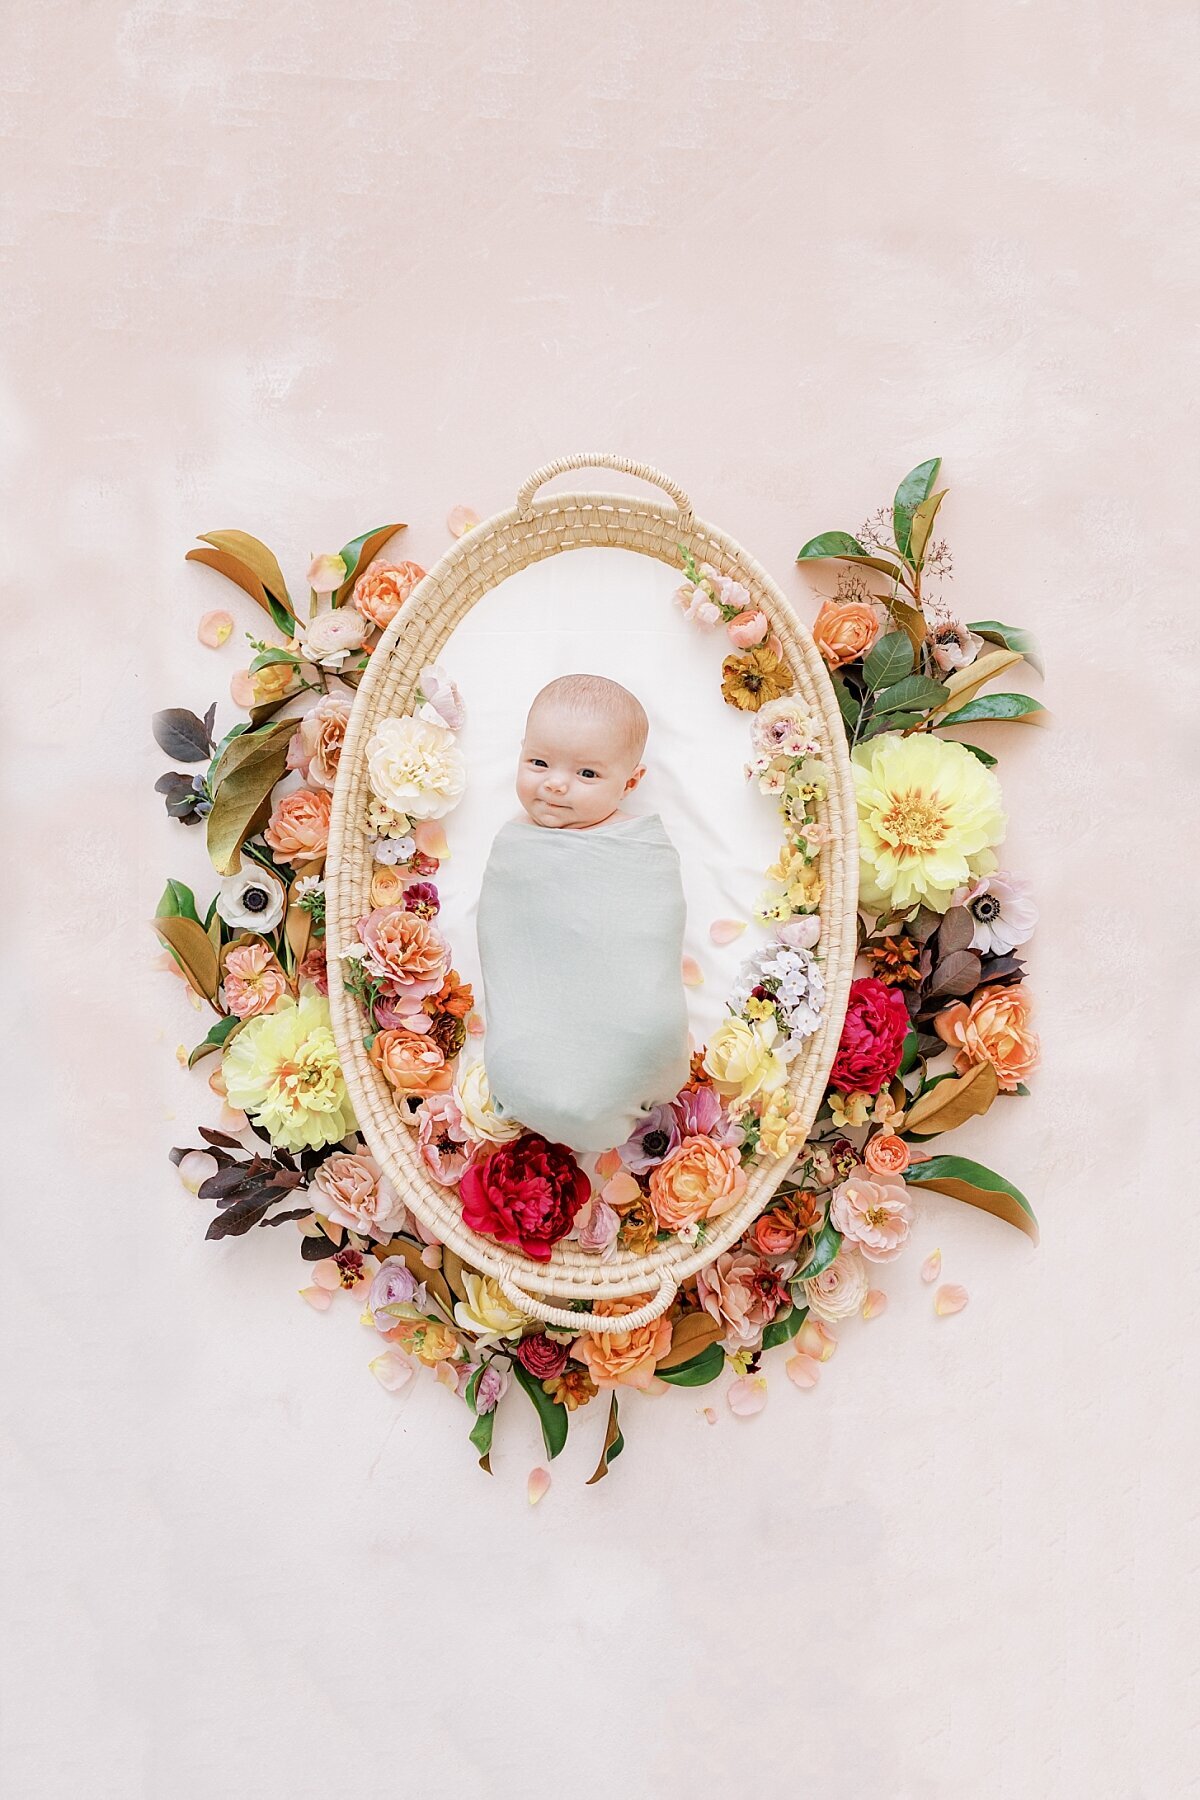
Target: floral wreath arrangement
(937, 1026)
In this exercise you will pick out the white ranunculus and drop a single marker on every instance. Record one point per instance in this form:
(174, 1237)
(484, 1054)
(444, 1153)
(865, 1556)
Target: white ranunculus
(838, 1292)
(329, 639)
(252, 900)
(416, 767)
(474, 1095)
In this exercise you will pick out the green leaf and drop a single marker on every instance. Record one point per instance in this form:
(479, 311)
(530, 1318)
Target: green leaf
(698, 1371)
(910, 1055)
(994, 706)
(891, 722)
(916, 487)
(217, 1036)
(272, 656)
(978, 1186)
(1010, 637)
(481, 1436)
(359, 552)
(242, 781)
(614, 1443)
(178, 901)
(922, 526)
(848, 706)
(781, 1331)
(825, 1249)
(552, 1417)
(890, 660)
(915, 692)
(830, 543)
(985, 756)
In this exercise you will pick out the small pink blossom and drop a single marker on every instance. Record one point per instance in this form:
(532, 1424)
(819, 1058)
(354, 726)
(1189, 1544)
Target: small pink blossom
(873, 1212)
(442, 1138)
(253, 980)
(748, 629)
(598, 1230)
(442, 698)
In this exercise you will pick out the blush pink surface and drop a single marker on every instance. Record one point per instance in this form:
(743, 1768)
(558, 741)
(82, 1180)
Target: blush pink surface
(302, 270)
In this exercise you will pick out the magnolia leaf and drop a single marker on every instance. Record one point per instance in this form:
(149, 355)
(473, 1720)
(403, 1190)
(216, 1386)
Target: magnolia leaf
(1011, 637)
(237, 571)
(910, 1052)
(997, 706)
(361, 551)
(985, 756)
(951, 1102)
(188, 943)
(825, 1248)
(181, 735)
(964, 684)
(782, 1330)
(218, 1036)
(552, 1416)
(254, 556)
(911, 620)
(922, 525)
(848, 705)
(452, 1269)
(978, 1186)
(915, 691)
(698, 1371)
(694, 1332)
(242, 781)
(889, 661)
(916, 487)
(830, 543)
(178, 900)
(481, 1436)
(889, 721)
(614, 1443)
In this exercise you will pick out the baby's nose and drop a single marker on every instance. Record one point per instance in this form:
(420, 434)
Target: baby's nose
(555, 784)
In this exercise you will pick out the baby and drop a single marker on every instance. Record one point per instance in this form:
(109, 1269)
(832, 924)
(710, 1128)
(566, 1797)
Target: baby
(580, 921)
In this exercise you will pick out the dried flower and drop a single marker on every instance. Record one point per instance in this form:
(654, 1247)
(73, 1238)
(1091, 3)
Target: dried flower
(574, 1387)
(750, 680)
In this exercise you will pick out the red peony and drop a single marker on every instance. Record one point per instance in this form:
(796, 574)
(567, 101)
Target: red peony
(541, 1356)
(872, 1038)
(525, 1193)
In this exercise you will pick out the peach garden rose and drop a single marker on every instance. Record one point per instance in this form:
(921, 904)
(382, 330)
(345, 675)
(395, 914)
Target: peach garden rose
(299, 827)
(381, 591)
(411, 1062)
(844, 630)
(253, 980)
(619, 1358)
(699, 1180)
(351, 1190)
(994, 1028)
(316, 748)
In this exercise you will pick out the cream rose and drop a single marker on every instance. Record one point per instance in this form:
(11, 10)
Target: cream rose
(838, 1292)
(416, 767)
(352, 1191)
(745, 1059)
(480, 1119)
(485, 1312)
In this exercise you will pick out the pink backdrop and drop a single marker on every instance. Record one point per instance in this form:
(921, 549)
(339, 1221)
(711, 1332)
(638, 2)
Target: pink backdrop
(302, 269)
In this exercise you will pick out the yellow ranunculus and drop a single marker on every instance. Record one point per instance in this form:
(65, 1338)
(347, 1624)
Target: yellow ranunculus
(283, 1067)
(929, 814)
(486, 1313)
(780, 1130)
(744, 1058)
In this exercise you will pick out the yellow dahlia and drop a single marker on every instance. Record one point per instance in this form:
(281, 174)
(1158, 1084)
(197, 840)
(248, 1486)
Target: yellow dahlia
(283, 1067)
(928, 815)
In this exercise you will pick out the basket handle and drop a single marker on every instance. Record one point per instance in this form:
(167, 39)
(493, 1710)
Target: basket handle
(586, 1321)
(602, 460)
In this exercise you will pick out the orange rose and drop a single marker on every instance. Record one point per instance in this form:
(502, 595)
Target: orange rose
(775, 1234)
(995, 1029)
(623, 1358)
(411, 1062)
(844, 630)
(699, 1180)
(382, 590)
(299, 828)
(886, 1154)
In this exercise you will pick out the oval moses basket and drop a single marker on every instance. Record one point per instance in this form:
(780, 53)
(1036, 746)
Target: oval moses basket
(498, 547)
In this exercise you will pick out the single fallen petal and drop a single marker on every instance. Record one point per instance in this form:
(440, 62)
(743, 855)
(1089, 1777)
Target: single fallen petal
(723, 931)
(326, 1275)
(931, 1268)
(446, 1375)
(181, 1055)
(431, 838)
(325, 573)
(805, 1371)
(475, 1025)
(215, 629)
(693, 974)
(747, 1395)
(774, 644)
(241, 690)
(949, 1299)
(607, 1163)
(815, 1339)
(460, 519)
(232, 1120)
(319, 1298)
(195, 1168)
(216, 1081)
(710, 1414)
(622, 1189)
(392, 1370)
(874, 1304)
(539, 1483)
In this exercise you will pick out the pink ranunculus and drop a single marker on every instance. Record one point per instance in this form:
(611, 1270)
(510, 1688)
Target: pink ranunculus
(443, 696)
(874, 1212)
(394, 1283)
(351, 1189)
(699, 1113)
(405, 951)
(748, 628)
(873, 1035)
(253, 980)
(743, 1293)
(598, 1232)
(490, 1388)
(442, 1139)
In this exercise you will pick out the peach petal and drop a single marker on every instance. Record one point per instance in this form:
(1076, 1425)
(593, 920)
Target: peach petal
(215, 629)
(949, 1299)
(693, 974)
(815, 1339)
(622, 1190)
(931, 1268)
(475, 1025)
(607, 1163)
(325, 573)
(181, 1055)
(216, 1082)
(805, 1371)
(241, 690)
(326, 1275)
(445, 1374)
(723, 931)
(874, 1304)
(195, 1168)
(539, 1484)
(747, 1395)
(392, 1370)
(710, 1414)
(461, 519)
(431, 1256)
(775, 644)
(232, 1120)
(431, 838)
(319, 1298)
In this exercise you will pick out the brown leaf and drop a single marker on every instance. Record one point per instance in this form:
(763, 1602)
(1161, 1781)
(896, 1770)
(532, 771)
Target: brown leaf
(956, 930)
(255, 557)
(297, 927)
(694, 1332)
(956, 974)
(435, 1281)
(189, 944)
(611, 1434)
(243, 780)
(911, 620)
(952, 1102)
(452, 1269)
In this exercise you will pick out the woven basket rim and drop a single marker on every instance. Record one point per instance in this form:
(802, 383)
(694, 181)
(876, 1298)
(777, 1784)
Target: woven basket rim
(492, 550)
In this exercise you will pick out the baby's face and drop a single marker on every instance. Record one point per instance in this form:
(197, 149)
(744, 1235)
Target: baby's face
(574, 769)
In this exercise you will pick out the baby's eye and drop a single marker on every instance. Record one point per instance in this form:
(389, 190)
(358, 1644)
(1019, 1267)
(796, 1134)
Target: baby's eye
(588, 774)
(538, 762)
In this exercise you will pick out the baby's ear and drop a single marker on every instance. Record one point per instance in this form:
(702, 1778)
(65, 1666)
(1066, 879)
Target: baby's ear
(635, 778)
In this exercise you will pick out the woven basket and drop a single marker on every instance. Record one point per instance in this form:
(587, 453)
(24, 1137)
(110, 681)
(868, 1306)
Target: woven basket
(501, 545)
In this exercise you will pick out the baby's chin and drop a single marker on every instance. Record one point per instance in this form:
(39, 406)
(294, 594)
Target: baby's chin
(555, 817)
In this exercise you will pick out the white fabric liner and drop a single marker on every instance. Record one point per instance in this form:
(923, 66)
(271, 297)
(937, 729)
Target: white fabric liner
(612, 612)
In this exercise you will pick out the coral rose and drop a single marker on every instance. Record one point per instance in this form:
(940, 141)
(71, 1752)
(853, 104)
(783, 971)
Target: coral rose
(886, 1154)
(253, 980)
(405, 951)
(872, 1041)
(699, 1180)
(775, 1233)
(623, 1358)
(352, 1191)
(995, 1029)
(743, 1294)
(875, 1215)
(382, 590)
(410, 1062)
(299, 827)
(844, 630)
(316, 747)
(525, 1193)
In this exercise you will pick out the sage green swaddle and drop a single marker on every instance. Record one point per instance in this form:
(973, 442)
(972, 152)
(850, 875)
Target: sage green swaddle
(580, 943)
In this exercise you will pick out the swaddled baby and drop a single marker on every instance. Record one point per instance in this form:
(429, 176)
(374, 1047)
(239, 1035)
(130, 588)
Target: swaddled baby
(580, 921)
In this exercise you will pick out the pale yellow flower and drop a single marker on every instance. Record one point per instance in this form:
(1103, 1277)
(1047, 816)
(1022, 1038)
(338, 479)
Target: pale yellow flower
(780, 1128)
(743, 1058)
(473, 1092)
(283, 1067)
(929, 814)
(849, 1111)
(486, 1313)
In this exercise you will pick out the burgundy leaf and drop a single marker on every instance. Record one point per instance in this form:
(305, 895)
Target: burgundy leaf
(956, 931)
(956, 974)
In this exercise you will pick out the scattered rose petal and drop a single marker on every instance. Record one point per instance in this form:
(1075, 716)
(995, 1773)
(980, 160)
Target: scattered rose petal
(622, 1189)
(232, 1120)
(195, 1168)
(460, 519)
(710, 1413)
(181, 1055)
(805, 1371)
(241, 690)
(446, 1375)
(747, 1395)
(815, 1339)
(607, 1163)
(539, 1483)
(216, 1082)
(326, 1275)
(319, 1298)
(325, 573)
(215, 629)
(693, 974)
(774, 643)
(392, 1370)
(475, 1025)
(723, 931)
(931, 1268)
(431, 838)
(949, 1299)
(874, 1304)
(431, 1256)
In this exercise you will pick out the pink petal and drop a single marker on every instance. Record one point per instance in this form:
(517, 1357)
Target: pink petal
(747, 1395)
(805, 1371)
(195, 1168)
(874, 1304)
(319, 1298)
(607, 1163)
(723, 931)
(431, 838)
(622, 1189)
(445, 1374)
(693, 974)
(232, 1120)
(710, 1414)
(949, 1299)
(326, 1275)
(774, 644)
(931, 1268)
(215, 629)
(392, 1370)
(460, 519)
(539, 1484)
(475, 1025)
(241, 690)
(431, 1256)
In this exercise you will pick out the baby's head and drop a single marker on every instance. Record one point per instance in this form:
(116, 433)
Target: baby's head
(580, 754)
